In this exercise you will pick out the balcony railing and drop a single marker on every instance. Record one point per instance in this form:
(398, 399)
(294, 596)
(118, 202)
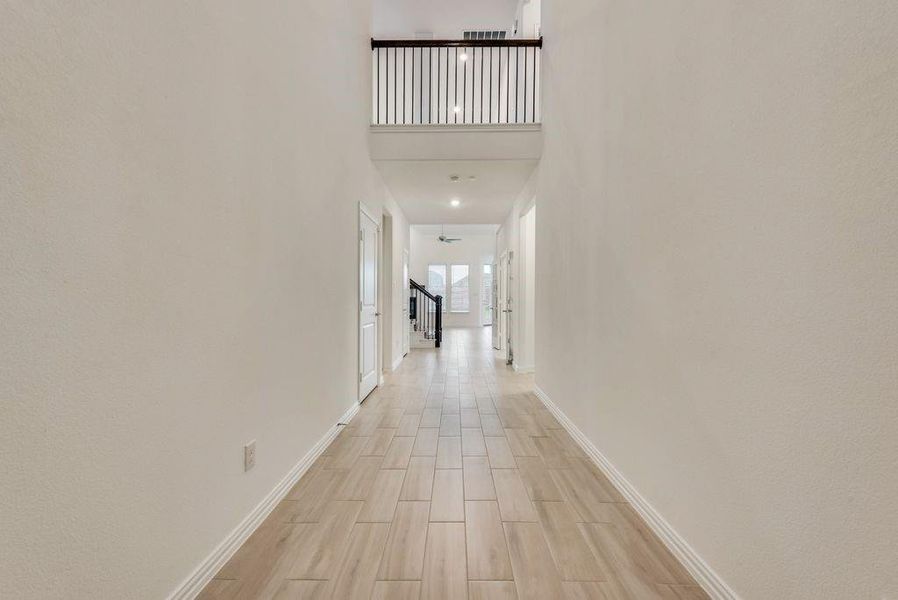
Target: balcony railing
(436, 82)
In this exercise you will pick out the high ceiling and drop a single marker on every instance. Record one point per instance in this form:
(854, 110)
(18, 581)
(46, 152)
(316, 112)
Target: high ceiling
(404, 18)
(424, 190)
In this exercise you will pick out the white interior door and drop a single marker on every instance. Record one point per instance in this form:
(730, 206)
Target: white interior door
(501, 305)
(496, 307)
(508, 321)
(367, 304)
(404, 294)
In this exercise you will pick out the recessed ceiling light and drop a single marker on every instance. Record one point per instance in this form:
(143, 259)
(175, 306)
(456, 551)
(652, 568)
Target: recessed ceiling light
(454, 178)
(455, 202)
(472, 177)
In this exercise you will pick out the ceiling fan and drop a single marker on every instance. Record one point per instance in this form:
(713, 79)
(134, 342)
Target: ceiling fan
(446, 240)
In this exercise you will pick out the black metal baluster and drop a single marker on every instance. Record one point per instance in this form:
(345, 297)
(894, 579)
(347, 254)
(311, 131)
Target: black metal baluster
(535, 56)
(377, 86)
(481, 84)
(507, 84)
(395, 82)
(421, 88)
(447, 86)
(455, 89)
(490, 95)
(464, 88)
(439, 78)
(517, 71)
(403, 86)
(413, 86)
(429, 84)
(525, 85)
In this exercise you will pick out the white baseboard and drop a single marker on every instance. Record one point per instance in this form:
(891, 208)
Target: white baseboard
(522, 368)
(398, 362)
(194, 584)
(704, 575)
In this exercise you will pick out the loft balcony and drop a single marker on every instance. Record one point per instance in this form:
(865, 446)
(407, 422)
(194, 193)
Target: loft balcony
(484, 92)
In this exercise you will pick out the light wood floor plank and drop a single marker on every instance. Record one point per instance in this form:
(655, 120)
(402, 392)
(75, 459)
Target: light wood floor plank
(450, 425)
(408, 425)
(478, 479)
(426, 442)
(396, 590)
(491, 425)
(514, 503)
(445, 571)
(572, 555)
(298, 589)
(357, 574)
(491, 590)
(486, 547)
(499, 453)
(586, 590)
(472, 443)
(357, 483)
(381, 502)
(448, 501)
(379, 442)
(221, 589)
(398, 454)
(403, 556)
(521, 444)
(535, 575)
(324, 542)
(537, 480)
(584, 494)
(418, 484)
(430, 417)
(449, 453)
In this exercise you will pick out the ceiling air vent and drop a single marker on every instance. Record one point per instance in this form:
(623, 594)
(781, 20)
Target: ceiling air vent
(485, 35)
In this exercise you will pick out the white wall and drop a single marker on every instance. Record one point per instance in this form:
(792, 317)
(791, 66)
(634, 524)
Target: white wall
(525, 348)
(475, 249)
(719, 181)
(446, 20)
(509, 239)
(179, 275)
(398, 320)
(528, 18)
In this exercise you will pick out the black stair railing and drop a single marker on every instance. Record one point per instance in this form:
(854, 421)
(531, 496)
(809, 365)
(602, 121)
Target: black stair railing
(426, 312)
(448, 82)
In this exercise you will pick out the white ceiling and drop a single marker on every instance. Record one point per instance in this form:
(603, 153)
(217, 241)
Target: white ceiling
(451, 230)
(403, 18)
(424, 191)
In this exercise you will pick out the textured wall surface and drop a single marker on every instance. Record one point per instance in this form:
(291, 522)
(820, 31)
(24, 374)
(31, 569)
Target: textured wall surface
(720, 180)
(178, 206)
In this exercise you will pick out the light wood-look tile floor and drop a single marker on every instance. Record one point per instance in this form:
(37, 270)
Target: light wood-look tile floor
(453, 481)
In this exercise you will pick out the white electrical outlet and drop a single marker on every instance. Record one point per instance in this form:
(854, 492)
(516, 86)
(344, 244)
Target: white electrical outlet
(249, 456)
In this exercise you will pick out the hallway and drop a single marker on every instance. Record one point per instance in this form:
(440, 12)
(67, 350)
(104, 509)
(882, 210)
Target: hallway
(453, 481)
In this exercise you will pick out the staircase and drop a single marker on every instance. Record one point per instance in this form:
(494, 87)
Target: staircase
(425, 317)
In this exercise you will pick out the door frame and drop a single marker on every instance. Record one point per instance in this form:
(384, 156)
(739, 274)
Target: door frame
(508, 310)
(406, 327)
(365, 212)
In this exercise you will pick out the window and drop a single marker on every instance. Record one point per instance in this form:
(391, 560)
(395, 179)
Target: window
(460, 295)
(486, 295)
(436, 282)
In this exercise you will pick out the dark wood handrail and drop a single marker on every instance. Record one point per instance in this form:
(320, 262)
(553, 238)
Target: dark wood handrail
(417, 286)
(515, 43)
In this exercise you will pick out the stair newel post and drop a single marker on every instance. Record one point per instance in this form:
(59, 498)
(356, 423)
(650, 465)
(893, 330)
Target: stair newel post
(439, 321)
